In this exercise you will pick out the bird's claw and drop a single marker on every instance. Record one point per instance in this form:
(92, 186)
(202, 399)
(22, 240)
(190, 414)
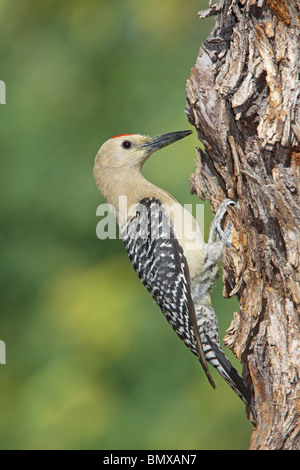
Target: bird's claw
(216, 231)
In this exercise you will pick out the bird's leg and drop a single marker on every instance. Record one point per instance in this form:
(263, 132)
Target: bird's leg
(215, 230)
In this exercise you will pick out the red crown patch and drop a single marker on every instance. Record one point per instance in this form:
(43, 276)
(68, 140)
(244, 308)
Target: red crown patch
(120, 135)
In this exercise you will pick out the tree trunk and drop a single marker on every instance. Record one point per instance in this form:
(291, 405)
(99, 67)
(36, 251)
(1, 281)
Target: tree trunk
(243, 98)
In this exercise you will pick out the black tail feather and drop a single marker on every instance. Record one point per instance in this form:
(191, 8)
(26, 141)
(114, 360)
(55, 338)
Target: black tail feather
(234, 380)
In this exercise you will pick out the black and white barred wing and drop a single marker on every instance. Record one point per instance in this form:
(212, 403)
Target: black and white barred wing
(159, 262)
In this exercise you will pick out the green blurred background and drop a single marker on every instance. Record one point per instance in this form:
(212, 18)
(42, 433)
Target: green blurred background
(91, 362)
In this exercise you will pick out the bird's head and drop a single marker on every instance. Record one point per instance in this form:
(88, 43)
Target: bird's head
(122, 157)
(132, 150)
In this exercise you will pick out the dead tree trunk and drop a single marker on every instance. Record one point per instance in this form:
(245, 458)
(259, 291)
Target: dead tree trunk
(243, 98)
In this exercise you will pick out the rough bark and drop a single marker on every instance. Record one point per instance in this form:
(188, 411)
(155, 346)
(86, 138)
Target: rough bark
(243, 99)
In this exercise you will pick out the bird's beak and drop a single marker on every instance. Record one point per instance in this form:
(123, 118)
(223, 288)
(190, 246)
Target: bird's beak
(159, 141)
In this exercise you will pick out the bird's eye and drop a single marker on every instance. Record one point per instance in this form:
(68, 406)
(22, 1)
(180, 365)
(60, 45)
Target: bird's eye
(126, 144)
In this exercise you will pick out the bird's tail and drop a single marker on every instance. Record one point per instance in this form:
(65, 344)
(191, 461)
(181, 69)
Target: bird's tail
(215, 356)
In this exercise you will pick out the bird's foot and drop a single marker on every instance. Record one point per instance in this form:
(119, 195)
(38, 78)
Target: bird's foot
(216, 232)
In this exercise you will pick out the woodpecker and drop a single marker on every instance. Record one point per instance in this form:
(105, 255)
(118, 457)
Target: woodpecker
(167, 249)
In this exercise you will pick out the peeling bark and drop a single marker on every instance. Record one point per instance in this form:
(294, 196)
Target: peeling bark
(243, 99)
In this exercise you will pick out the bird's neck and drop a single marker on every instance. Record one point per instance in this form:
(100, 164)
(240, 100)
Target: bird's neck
(123, 195)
